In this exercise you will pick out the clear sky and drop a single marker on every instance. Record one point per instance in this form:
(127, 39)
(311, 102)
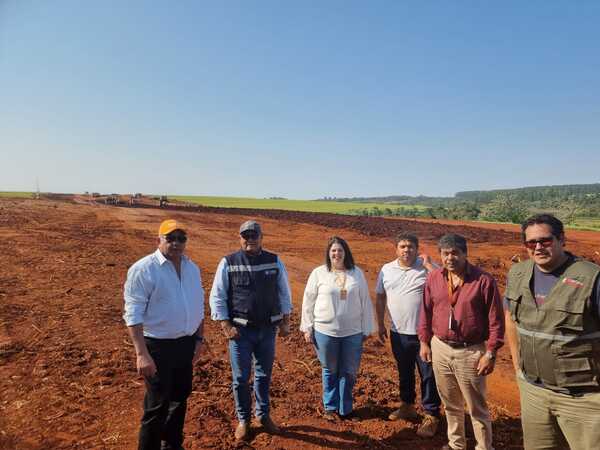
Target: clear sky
(299, 99)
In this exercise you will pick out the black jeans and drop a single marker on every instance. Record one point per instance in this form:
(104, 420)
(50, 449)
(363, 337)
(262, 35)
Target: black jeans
(405, 348)
(167, 392)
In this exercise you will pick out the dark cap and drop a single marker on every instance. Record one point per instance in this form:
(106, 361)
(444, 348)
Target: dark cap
(250, 225)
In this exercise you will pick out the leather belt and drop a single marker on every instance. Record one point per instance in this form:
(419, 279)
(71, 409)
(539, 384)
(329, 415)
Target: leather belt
(458, 344)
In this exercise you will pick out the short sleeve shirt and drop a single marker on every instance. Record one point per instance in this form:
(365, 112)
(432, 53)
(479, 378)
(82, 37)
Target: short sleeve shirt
(404, 291)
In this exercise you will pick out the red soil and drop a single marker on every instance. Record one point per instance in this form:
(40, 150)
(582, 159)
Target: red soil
(67, 368)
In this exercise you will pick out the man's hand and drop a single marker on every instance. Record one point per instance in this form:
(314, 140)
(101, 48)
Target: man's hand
(145, 365)
(428, 262)
(284, 329)
(308, 337)
(230, 331)
(382, 333)
(485, 365)
(425, 352)
(198, 351)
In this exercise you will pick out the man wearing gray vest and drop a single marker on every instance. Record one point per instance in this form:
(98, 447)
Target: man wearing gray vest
(553, 327)
(251, 298)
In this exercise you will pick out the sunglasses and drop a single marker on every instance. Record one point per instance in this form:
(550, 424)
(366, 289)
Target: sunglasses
(181, 238)
(250, 235)
(544, 242)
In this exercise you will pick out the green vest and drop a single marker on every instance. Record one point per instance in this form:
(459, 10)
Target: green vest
(559, 342)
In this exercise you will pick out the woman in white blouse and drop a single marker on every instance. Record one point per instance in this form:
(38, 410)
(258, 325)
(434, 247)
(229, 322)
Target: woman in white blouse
(337, 315)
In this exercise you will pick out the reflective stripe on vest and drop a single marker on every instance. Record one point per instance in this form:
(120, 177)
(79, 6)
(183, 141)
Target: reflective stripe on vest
(258, 268)
(558, 337)
(244, 322)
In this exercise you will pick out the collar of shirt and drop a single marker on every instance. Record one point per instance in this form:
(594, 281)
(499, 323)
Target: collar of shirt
(416, 265)
(461, 279)
(162, 259)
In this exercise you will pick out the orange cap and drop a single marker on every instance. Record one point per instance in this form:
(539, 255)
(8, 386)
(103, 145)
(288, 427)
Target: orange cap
(168, 226)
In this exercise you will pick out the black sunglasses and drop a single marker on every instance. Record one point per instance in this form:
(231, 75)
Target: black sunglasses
(250, 235)
(181, 238)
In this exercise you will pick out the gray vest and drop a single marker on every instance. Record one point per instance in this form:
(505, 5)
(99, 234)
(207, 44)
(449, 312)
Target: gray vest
(559, 341)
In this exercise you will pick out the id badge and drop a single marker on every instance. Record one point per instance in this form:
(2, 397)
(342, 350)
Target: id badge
(452, 323)
(343, 294)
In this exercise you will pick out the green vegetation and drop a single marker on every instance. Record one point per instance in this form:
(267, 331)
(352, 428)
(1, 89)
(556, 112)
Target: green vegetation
(586, 223)
(577, 205)
(16, 194)
(355, 208)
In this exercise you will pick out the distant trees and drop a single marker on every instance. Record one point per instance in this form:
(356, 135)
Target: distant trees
(505, 208)
(568, 202)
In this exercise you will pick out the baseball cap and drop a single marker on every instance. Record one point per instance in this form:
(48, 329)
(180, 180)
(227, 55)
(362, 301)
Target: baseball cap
(169, 225)
(250, 225)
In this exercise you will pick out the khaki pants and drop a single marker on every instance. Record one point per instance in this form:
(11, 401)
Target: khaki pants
(547, 416)
(458, 384)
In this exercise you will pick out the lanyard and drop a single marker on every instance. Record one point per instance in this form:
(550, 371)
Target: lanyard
(453, 290)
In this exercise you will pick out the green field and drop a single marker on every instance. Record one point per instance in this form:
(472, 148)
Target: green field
(288, 205)
(16, 194)
(586, 223)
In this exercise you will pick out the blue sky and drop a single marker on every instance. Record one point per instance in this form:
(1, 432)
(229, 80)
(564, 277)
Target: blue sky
(300, 99)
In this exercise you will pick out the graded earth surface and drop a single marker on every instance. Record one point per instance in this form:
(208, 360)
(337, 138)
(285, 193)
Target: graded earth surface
(67, 366)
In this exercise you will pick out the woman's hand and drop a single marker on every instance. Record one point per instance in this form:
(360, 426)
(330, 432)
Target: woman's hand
(308, 337)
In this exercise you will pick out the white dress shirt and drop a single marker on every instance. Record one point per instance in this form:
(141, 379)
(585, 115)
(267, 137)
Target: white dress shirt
(324, 309)
(167, 306)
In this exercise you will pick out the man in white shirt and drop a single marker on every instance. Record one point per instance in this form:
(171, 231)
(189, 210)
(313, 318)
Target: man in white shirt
(400, 291)
(164, 311)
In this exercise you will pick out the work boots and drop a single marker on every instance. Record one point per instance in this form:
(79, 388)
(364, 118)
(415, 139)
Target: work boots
(268, 425)
(428, 426)
(405, 411)
(242, 431)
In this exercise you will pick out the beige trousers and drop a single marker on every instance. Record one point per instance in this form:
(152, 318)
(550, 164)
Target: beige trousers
(458, 384)
(550, 417)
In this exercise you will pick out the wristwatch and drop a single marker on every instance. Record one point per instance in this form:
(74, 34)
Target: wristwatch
(490, 355)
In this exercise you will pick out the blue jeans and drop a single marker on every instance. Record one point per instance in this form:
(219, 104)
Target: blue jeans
(254, 346)
(405, 348)
(340, 360)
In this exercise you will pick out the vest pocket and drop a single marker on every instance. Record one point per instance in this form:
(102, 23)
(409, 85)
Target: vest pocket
(241, 278)
(573, 368)
(575, 372)
(568, 317)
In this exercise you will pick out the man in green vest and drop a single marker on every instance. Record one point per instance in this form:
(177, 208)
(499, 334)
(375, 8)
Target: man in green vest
(553, 328)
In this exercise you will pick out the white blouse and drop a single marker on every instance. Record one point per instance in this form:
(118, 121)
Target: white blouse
(325, 310)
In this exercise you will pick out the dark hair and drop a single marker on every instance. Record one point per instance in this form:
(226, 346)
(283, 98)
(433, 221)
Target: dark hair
(452, 240)
(407, 237)
(348, 259)
(558, 230)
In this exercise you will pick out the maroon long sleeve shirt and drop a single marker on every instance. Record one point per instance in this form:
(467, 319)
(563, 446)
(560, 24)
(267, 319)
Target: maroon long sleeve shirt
(478, 309)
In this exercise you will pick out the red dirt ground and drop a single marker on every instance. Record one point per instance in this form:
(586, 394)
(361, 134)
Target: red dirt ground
(67, 367)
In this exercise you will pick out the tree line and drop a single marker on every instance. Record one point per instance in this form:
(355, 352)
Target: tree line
(568, 202)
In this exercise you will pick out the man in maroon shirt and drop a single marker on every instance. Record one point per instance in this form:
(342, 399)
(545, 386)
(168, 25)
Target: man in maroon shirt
(461, 310)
